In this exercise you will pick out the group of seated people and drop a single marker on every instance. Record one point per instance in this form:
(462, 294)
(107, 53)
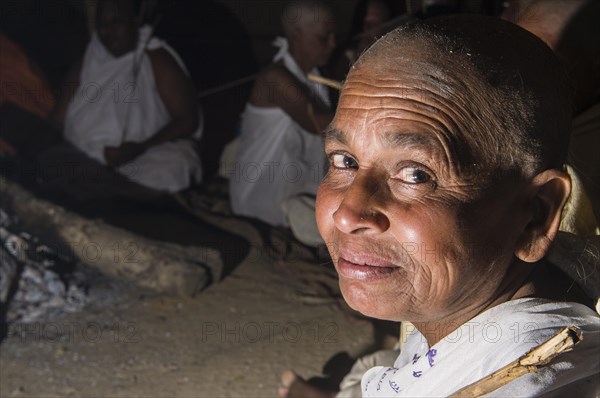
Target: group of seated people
(447, 169)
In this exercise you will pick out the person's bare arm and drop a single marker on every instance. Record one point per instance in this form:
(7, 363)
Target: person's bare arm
(179, 97)
(66, 94)
(276, 86)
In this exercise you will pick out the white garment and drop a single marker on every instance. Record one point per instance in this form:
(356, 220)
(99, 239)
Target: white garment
(299, 211)
(350, 385)
(277, 158)
(111, 107)
(488, 342)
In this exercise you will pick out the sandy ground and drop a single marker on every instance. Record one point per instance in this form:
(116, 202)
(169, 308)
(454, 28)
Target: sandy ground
(231, 340)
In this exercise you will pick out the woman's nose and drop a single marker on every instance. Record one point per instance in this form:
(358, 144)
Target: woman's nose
(362, 209)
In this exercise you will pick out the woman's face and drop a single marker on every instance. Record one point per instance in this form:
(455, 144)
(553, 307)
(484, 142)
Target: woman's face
(411, 239)
(117, 30)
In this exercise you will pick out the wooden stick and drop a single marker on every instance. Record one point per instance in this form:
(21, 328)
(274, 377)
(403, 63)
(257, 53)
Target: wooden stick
(530, 362)
(327, 82)
(227, 86)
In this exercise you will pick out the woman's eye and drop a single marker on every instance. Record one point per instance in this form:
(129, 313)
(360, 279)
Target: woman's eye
(341, 161)
(414, 175)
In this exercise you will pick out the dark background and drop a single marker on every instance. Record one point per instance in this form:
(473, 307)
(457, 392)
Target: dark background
(221, 41)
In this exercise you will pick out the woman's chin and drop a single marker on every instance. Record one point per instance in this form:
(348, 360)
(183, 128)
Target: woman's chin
(364, 299)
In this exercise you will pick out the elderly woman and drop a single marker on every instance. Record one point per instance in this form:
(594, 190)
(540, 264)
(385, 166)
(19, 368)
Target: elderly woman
(443, 198)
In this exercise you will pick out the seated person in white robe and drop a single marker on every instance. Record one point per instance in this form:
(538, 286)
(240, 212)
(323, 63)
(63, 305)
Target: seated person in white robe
(280, 160)
(442, 205)
(131, 105)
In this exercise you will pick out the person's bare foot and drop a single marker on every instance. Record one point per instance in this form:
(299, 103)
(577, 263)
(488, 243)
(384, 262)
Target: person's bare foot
(293, 386)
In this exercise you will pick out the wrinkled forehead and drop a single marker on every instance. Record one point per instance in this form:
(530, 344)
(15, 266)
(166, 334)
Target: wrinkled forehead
(408, 84)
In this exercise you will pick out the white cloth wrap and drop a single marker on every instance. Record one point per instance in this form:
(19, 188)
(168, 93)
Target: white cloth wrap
(289, 62)
(488, 342)
(277, 159)
(502, 334)
(111, 107)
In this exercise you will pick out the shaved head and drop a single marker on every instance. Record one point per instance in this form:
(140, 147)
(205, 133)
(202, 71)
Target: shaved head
(304, 14)
(309, 27)
(504, 89)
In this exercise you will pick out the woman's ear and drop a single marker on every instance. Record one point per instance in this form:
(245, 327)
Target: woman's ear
(551, 189)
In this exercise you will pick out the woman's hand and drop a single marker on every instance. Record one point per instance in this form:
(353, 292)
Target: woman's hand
(116, 156)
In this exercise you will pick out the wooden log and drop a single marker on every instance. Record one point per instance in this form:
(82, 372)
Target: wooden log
(160, 266)
(530, 362)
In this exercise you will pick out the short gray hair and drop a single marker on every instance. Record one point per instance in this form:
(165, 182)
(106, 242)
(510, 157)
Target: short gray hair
(519, 116)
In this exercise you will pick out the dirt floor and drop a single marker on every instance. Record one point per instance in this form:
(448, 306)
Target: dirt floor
(231, 340)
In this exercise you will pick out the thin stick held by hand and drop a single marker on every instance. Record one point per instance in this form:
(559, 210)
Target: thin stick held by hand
(326, 82)
(530, 362)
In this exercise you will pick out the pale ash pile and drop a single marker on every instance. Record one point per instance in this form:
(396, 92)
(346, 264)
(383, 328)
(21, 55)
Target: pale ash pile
(37, 283)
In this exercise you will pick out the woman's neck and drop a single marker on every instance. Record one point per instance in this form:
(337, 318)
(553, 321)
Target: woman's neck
(300, 60)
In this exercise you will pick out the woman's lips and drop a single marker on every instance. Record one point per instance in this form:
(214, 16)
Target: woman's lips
(365, 272)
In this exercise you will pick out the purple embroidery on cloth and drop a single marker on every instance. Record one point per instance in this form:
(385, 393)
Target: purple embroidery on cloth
(367, 385)
(418, 373)
(430, 355)
(415, 358)
(394, 386)
(381, 379)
